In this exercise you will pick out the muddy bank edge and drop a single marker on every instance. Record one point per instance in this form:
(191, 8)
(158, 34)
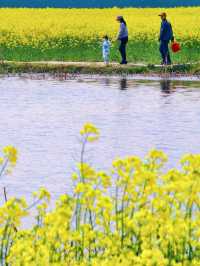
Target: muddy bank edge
(7, 67)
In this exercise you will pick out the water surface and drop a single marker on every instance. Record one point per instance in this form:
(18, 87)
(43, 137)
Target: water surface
(42, 118)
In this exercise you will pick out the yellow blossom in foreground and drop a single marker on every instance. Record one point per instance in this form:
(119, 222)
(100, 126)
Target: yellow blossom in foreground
(11, 154)
(137, 214)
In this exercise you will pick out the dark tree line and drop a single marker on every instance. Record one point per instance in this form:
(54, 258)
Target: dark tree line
(98, 3)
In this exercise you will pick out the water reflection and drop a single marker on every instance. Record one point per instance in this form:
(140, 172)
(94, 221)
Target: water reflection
(106, 81)
(42, 119)
(166, 86)
(123, 84)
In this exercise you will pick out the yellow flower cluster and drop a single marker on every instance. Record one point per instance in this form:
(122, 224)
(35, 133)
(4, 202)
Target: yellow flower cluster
(58, 28)
(90, 132)
(137, 214)
(10, 153)
(8, 160)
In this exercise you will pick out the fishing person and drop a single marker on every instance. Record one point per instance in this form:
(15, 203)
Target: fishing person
(166, 35)
(122, 38)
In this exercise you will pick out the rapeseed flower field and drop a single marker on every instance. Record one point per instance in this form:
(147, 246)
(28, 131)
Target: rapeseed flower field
(135, 214)
(76, 34)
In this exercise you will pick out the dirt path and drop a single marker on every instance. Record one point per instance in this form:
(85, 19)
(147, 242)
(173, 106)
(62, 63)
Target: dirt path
(97, 68)
(70, 63)
(100, 64)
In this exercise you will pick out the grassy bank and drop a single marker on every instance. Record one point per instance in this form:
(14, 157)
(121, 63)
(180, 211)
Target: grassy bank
(76, 34)
(97, 68)
(143, 52)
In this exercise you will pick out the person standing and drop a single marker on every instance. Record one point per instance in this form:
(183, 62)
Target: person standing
(166, 35)
(123, 38)
(106, 49)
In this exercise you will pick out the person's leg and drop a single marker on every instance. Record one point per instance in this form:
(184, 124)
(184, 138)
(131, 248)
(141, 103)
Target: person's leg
(162, 51)
(168, 55)
(107, 58)
(169, 62)
(123, 50)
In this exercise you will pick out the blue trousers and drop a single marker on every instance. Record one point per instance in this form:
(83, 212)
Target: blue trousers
(122, 48)
(164, 50)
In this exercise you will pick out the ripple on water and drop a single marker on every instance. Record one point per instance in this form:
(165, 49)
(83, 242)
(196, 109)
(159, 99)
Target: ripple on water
(42, 118)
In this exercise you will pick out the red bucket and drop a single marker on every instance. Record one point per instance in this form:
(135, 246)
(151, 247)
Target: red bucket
(175, 47)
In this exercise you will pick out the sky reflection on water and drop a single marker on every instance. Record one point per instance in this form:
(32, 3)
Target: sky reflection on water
(42, 118)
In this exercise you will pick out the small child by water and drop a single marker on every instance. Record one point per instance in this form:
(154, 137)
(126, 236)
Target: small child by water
(106, 49)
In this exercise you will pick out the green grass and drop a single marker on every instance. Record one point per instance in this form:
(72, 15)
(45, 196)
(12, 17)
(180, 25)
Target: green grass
(144, 52)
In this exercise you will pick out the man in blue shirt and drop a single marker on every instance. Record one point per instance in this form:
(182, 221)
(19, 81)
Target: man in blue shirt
(166, 35)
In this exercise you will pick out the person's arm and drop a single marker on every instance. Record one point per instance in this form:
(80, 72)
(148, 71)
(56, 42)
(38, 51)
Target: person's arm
(172, 34)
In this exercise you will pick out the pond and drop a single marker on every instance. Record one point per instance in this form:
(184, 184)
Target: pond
(42, 117)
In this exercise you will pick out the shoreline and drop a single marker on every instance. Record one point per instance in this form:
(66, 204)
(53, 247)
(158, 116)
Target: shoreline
(176, 71)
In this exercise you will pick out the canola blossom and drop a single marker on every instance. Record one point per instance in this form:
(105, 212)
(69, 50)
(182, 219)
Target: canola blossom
(135, 214)
(76, 29)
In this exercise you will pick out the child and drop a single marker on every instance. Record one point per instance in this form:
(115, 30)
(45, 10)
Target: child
(106, 49)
